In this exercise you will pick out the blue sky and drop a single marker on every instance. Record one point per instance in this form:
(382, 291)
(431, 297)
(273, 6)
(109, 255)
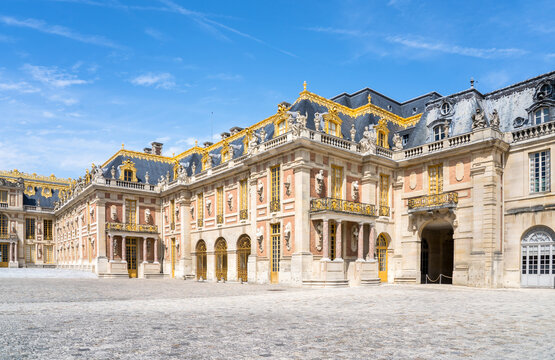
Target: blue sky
(80, 77)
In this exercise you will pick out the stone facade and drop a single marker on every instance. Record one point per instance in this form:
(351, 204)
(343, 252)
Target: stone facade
(351, 190)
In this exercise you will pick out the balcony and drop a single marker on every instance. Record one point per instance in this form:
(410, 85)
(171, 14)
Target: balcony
(533, 132)
(142, 228)
(342, 206)
(446, 200)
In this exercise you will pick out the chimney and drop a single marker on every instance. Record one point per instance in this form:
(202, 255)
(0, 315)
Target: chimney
(207, 144)
(156, 148)
(147, 150)
(224, 135)
(234, 130)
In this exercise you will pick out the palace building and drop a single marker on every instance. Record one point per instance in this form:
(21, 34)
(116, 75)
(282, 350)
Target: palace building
(354, 190)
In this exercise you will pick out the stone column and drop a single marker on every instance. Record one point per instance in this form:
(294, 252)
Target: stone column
(123, 238)
(325, 245)
(10, 254)
(372, 242)
(156, 251)
(338, 242)
(360, 246)
(15, 251)
(111, 242)
(144, 250)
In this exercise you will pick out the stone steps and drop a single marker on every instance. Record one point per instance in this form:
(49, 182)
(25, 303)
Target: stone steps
(325, 283)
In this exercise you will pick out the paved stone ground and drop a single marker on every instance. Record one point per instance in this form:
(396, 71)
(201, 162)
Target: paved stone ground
(33, 273)
(131, 319)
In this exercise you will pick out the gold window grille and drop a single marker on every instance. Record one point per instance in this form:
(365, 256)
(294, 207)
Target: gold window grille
(381, 250)
(131, 211)
(49, 254)
(275, 202)
(384, 190)
(220, 205)
(435, 179)
(29, 228)
(201, 260)
(243, 212)
(3, 225)
(220, 250)
(333, 231)
(243, 252)
(276, 247)
(200, 210)
(336, 182)
(3, 197)
(47, 229)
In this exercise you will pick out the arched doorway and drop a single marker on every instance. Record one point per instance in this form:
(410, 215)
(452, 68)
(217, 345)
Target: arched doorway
(243, 252)
(437, 253)
(220, 251)
(201, 260)
(538, 257)
(381, 256)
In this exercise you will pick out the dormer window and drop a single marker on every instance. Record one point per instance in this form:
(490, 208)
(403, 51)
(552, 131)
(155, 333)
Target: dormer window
(405, 139)
(439, 132)
(333, 128)
(541, 116)
(225, 156)
(445, 108)
(333, 122)
(128, 175)
(382, 141)
(281, 127)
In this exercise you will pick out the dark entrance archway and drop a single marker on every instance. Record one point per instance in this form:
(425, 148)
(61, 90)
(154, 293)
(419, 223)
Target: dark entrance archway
(437, 253)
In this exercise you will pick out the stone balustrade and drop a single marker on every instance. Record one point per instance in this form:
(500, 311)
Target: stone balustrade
(533, 132)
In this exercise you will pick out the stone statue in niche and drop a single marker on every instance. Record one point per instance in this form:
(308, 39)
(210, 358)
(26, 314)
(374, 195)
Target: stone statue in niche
(92, 244)
(114, 213)
(260, 191)
(230, 201)
(192, 210)
(287, 236)
(209, 207)
(287, 185)
(318, 118)
(320, 182)
(368, 141)
(354, 238)
(494, 122)
(147, 216)
(113, 172)
(91, 213)
(478, 120)
(353, 132)
(354, 190)
(397, 142)
(260, 238)
(319, 237)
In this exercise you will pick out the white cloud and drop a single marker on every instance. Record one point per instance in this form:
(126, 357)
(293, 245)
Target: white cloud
(66, 100)
(22, 87)
(226, 77)
(155, 34)
(159, 81)
(43, 27)
(52, 76)
(484, 53)
(6, 38)
(48, 114)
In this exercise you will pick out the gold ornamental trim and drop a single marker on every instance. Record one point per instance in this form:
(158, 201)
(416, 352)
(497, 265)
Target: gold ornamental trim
(144, 228)
(446, 199)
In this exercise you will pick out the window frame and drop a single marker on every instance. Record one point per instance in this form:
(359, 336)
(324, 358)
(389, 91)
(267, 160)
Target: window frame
(542, 114)
(30, 228)
(438, 132)
(337, 182)
(537, 173)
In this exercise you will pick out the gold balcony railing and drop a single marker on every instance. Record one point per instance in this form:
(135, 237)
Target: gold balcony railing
(145, 228)
(384, 210)
(274, 205)
(344, 206)
(243, 214)
(443, 200)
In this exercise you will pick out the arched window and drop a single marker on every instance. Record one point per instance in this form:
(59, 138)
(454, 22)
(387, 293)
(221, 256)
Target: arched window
(538, 257)
(541, 116)
(3, 226)
(439, 132)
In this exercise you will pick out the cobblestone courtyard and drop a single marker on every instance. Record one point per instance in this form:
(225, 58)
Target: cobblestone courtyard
(107, 319)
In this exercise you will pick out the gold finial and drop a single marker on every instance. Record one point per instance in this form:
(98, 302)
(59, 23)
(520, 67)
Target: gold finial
(369, 98)
(304, 86)
(173, 154)
(122, 145)
(196, 143)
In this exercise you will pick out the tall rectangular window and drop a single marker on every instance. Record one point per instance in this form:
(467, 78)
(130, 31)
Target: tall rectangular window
(131, 211)
(47, 229)
(172, 214)
(200, 209)
(29, 228)
(4, 197)
(336, 182)
(243, 212)
(220, 205)
(276, 247)
(435, 179)
(539, 171)
(384, 190)
(275, 201)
